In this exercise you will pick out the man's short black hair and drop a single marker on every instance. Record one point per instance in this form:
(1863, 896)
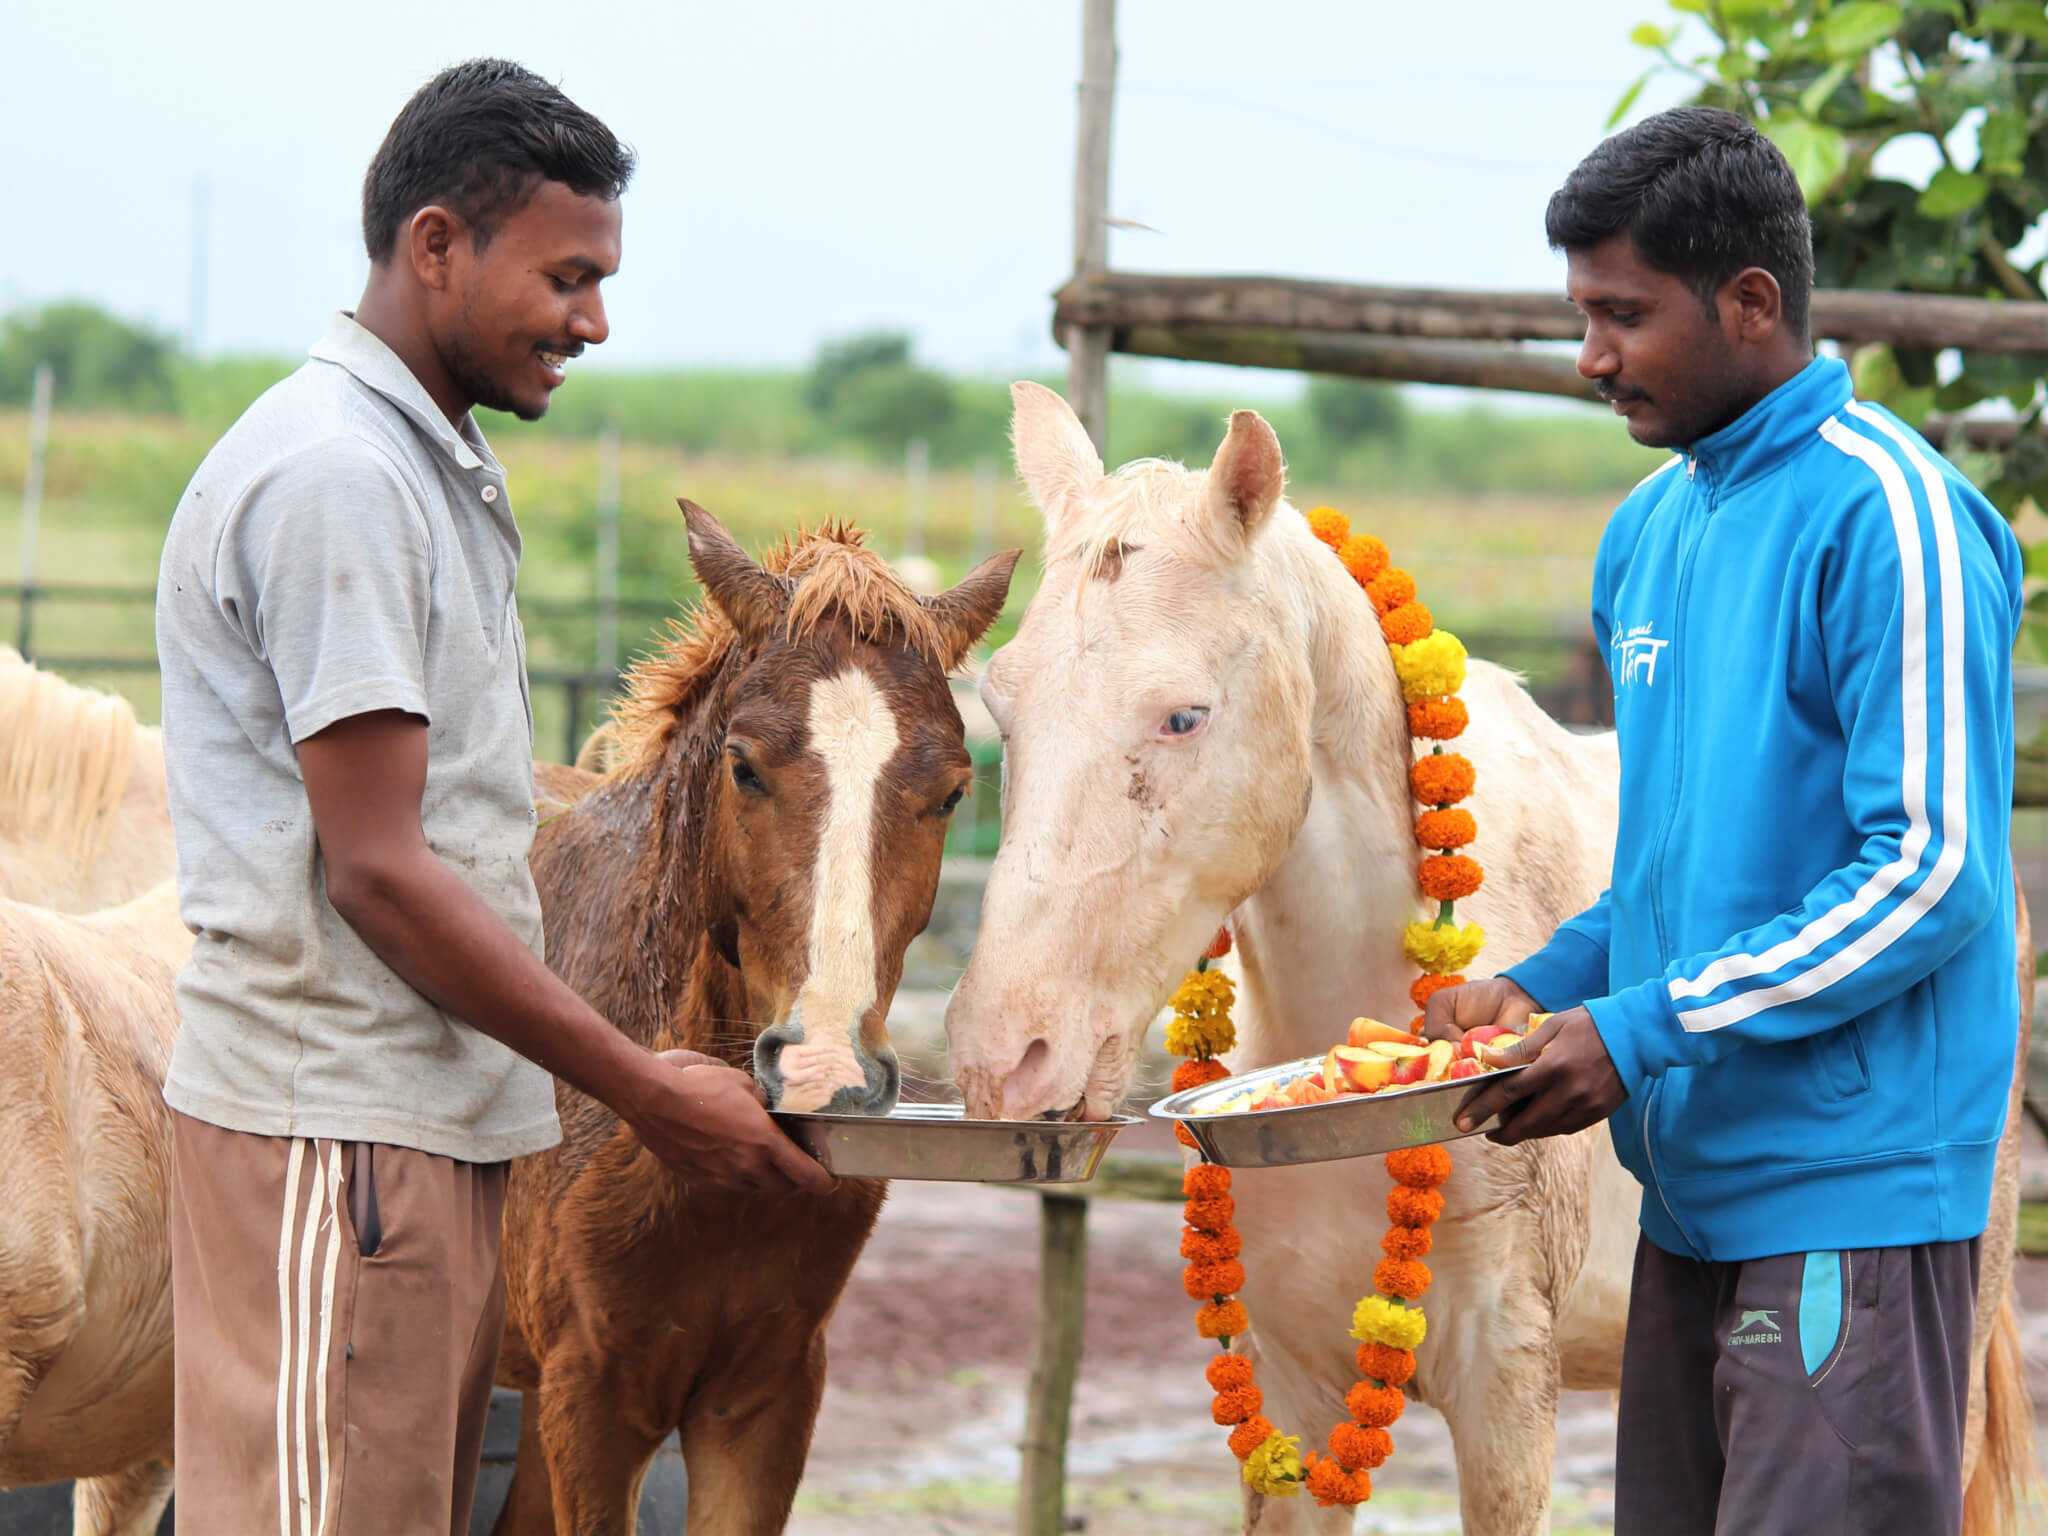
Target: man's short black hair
(1703, 194)
(477, 139)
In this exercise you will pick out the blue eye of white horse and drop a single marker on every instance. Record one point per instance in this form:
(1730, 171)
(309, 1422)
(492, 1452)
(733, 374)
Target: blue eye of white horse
(1185, 722)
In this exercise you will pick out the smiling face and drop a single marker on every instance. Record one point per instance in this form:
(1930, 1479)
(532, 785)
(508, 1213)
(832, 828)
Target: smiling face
(1674, 372)
(512, 314)
(1156, 762)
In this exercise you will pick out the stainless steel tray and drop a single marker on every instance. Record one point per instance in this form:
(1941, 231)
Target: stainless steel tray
(1355, 1125)
(937, 1141)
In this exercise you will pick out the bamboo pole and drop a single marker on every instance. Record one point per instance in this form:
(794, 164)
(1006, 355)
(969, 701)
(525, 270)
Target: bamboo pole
(1125, 299)
(1063, 1218)
(1476, 365)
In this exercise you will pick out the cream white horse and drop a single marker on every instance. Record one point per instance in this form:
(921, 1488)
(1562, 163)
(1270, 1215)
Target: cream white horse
(1202, 719)
(86, 1024)
(85, 821)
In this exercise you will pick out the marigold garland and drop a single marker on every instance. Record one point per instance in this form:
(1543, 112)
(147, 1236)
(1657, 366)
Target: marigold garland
(1429, 664)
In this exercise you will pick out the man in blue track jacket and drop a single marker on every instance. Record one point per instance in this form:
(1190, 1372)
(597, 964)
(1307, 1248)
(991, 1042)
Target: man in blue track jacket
(1795, 1005)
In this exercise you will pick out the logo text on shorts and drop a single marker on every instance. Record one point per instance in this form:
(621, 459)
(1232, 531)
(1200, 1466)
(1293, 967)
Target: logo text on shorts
(1756, 1328)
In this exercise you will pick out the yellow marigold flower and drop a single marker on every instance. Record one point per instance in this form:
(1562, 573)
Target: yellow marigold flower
(1430, 668)
(1275, 1467)
(1200, 1037)
(1442, 950)
(1380, 1321)
(1329, 525)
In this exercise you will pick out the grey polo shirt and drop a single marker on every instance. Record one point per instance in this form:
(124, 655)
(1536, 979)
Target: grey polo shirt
(342, 549)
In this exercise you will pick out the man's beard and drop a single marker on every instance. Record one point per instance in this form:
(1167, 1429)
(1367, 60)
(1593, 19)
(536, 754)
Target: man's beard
(475, 381)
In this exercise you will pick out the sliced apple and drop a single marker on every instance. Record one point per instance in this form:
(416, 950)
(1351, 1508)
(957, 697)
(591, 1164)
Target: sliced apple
(1399, 1050)
(1474, 1038)
(1441, 1054)
(1365, 1031)
(1465, 1066)
(1363, 1070)
(1310, 1091)
(1409, 1070)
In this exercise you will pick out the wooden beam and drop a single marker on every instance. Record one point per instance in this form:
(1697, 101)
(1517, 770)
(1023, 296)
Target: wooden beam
(1055, 1363)
(1087, 344)
(1130, 299)
(1476, 365)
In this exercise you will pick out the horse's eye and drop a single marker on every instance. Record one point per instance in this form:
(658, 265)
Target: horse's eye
(1185, 722)
(952, 802)
(744, 776)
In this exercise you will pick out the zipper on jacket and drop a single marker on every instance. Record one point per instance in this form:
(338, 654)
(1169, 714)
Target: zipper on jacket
(1659, 847)
(1657, 1183)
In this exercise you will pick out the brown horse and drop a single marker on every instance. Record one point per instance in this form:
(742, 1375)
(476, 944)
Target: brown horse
(742, 881)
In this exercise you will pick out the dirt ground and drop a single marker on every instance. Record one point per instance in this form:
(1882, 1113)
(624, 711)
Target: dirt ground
(931, 1350)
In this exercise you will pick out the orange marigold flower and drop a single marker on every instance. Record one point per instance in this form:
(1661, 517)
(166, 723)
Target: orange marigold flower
(1386, 1364)
(1449, 877)
(1210, 1247)
(1359, 1447)
(1184, 1136)
(1220, 1277)
(1332, 1484)
(1197, 1074)
(1210, 1215)
(1408, 1242)
(1413, 1207)
(1250, 1435)
(1415, 1024)
(1329, 525)
(1375, 1407)
(1423, 988)
(1222, 1319)
(1218, 946)
(1442, 778)
(1233, 1405)
(1438, 719)
(1418, 1168)
(1205, 1181)
(1406, 1278)
(1445, 829)
(1406, 624)
(1390, 589)
(1227, 1370)
(1364, 557)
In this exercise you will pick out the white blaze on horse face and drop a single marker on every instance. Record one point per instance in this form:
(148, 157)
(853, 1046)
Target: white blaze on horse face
(854, 733)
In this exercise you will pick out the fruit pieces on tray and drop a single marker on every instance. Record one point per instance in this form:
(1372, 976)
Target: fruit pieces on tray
(1376, 1056)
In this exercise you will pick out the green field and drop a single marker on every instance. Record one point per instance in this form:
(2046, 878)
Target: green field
(1491, 560)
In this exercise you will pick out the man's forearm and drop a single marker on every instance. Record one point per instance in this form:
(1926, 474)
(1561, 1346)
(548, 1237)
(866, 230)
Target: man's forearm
(440, 936)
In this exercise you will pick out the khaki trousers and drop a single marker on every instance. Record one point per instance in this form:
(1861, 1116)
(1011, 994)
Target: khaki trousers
(338, 1309)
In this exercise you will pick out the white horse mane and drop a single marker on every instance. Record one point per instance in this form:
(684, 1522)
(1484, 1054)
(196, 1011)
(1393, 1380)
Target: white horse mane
(65, 756)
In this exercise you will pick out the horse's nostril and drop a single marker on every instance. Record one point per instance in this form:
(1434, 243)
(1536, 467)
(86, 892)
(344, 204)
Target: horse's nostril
(1033, 1060)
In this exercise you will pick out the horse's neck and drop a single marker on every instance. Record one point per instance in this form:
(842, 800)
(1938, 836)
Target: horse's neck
(627, 926)
(1322, 941)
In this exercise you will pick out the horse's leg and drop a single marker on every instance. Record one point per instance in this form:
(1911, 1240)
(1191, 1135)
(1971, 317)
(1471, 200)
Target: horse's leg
(595, 1458)
(1295, 1401)
(128, 1503)
(1492, 1372)
(745, 1440)
(529, 1508)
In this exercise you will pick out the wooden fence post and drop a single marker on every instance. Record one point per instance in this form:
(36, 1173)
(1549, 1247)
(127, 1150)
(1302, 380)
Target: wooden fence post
(1063, 1217)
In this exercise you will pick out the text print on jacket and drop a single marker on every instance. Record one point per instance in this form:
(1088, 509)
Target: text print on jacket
(1804, 968)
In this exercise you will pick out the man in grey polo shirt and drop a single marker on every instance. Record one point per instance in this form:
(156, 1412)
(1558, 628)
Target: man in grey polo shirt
(367, 1026)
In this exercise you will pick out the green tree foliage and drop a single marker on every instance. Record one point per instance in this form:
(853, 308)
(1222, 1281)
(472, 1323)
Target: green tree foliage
(867, 388)
(1347, 412)
(96, 360)
(1835, 81)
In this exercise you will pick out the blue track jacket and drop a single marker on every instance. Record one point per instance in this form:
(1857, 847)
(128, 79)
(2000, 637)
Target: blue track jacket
(1804, 967)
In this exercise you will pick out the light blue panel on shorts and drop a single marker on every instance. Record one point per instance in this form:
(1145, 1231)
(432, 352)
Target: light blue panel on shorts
(1820, 1308)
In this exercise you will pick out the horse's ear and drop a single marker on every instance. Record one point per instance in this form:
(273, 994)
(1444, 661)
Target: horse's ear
(1054, 455)
(755, 601)
(965, 613)
(1248, 475)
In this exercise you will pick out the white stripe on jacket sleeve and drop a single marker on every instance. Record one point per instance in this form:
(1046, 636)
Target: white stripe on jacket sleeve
(1913, 701)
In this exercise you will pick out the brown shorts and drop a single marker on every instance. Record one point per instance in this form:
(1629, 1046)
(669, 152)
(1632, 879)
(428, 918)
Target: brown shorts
(338, 1308)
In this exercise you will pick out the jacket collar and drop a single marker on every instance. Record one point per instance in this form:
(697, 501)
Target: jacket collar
(375, 366)
(1785, 420)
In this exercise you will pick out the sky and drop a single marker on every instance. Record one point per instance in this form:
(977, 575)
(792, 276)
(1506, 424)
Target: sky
(811, 168)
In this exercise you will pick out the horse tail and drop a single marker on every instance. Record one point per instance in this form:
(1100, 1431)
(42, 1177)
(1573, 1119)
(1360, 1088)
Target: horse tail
(2007, 1470)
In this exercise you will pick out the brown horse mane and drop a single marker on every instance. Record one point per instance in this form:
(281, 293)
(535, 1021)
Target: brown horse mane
(831, 574)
